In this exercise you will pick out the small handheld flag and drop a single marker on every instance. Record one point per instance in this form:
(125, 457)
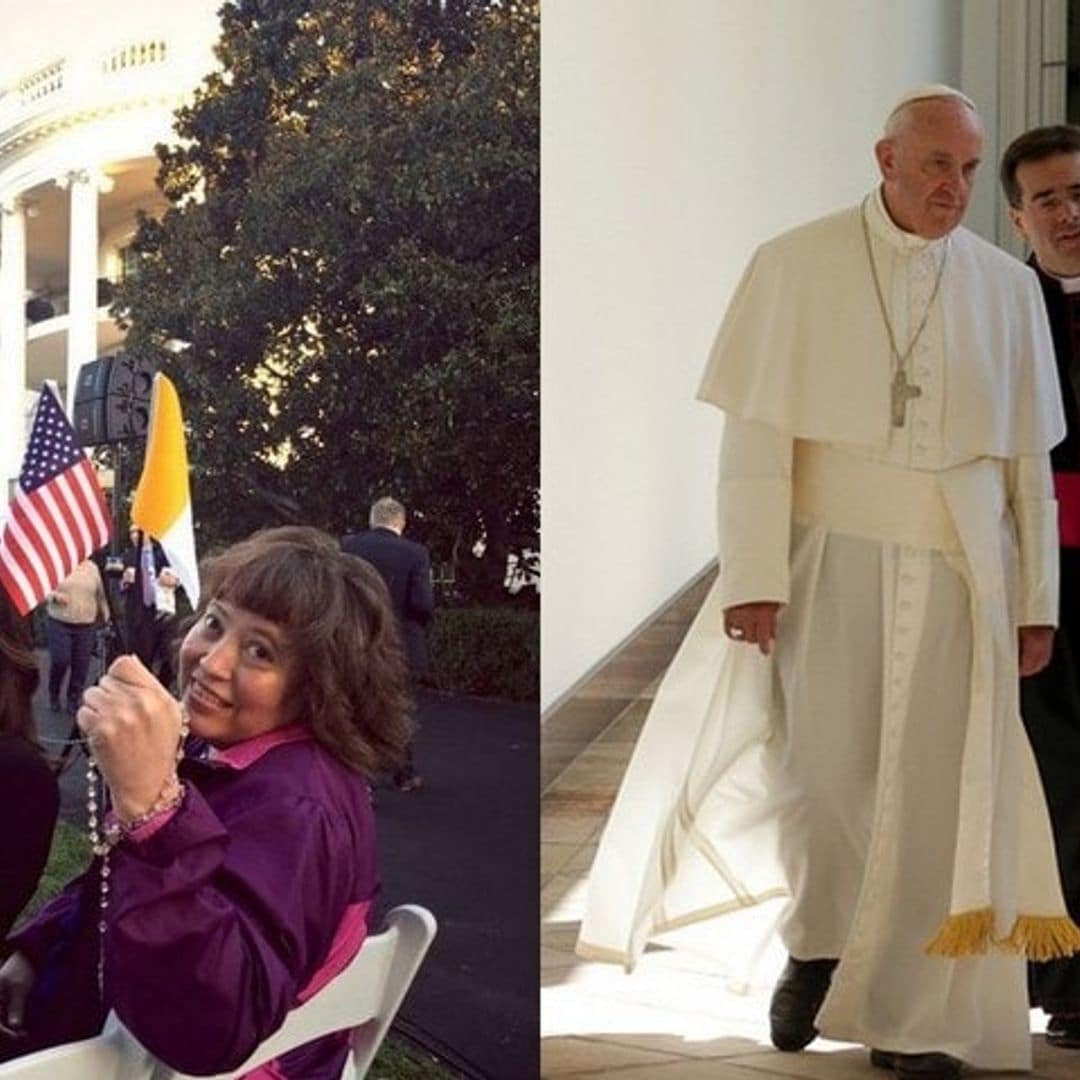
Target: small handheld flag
(58, 515)
(162, 506)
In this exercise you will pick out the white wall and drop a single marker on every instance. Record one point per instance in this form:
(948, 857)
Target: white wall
(676, 136)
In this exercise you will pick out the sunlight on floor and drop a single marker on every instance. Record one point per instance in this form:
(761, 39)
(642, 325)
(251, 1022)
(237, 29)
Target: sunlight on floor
(674, 1017)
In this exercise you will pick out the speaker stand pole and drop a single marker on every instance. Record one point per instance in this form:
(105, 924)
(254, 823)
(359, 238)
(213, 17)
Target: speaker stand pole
(118, 483)
(116, 638)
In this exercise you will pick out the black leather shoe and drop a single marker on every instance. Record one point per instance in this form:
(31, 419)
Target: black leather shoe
(917, 1066)
(795, 1002)
(1064, 1032)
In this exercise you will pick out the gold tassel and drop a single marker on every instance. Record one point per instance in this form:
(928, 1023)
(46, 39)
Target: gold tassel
(965, 934)
(1041, 937)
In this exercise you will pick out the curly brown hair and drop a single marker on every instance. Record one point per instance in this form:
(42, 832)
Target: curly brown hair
(18, 672)
(350, 675)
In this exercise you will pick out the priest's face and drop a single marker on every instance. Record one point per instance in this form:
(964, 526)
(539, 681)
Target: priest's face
(928, 160)
(1048, 216)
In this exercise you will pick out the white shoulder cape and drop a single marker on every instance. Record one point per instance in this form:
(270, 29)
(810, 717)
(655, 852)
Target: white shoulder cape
(803, 346)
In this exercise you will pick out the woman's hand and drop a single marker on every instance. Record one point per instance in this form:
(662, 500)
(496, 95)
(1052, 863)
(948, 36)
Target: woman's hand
(16, 979)
(132, 725)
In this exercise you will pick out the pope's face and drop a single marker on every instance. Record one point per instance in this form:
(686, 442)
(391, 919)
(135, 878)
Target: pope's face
(1048, 216)
(928, 166)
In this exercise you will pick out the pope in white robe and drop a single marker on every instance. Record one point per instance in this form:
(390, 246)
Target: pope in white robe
(838, 740)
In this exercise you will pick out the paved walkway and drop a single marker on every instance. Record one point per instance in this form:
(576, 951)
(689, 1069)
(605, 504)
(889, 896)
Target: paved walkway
(673, 1018)
(465, 846)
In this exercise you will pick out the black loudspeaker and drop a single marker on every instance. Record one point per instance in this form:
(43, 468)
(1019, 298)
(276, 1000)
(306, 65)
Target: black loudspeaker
(112, 400)
(126, 417)
(89, 422)
(130, 378)
(93, 379)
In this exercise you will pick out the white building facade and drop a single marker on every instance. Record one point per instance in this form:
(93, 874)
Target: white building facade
(85, 96)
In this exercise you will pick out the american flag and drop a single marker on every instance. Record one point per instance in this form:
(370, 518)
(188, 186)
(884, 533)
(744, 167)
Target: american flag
(58, 516)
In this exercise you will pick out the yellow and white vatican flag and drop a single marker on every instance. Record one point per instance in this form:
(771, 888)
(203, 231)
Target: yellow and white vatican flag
(162, 506)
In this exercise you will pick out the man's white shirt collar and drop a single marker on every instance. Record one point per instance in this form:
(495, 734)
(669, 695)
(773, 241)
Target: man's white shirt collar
(884, 228)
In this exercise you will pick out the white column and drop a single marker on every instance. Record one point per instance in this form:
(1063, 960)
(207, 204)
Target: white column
(12, 341)
(82, 275)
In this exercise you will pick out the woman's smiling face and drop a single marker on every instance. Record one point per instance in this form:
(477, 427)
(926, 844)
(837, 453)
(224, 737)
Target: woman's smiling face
(235, 670)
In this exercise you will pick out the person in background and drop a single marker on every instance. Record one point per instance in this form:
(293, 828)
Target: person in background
(150, 608)
(74, 608)
(1040, 174)
(165, 585)
(405, 566)
(29, 798)
(241, 880)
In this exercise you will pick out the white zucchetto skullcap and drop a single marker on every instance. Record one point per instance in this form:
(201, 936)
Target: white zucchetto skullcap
(927, 91)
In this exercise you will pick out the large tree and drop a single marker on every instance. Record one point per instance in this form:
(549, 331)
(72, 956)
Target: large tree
(350, 261)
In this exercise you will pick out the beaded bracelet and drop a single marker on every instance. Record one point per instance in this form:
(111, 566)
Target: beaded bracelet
(108, 834)
(162, 804)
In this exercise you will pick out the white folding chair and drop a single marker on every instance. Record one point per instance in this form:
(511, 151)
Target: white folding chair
(364, 997)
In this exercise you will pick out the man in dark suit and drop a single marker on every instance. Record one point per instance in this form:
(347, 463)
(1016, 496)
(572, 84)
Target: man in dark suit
(1040, 173)
(405, 566)
(149, 589)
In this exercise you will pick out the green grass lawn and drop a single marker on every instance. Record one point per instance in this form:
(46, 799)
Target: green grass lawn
(399, 1060)
(70, 853)
(69, 856)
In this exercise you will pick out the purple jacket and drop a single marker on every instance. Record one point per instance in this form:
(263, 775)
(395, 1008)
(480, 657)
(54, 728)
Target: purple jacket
(221, 918)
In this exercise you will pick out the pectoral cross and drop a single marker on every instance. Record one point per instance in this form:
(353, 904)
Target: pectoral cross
(901, 392)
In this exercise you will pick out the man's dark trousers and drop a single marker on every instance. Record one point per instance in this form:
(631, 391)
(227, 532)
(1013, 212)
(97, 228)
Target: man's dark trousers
(70, 645)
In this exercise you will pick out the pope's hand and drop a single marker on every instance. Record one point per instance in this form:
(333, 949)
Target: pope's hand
(753, 624)
(1036, 646)
(132, 725)
(16, 979)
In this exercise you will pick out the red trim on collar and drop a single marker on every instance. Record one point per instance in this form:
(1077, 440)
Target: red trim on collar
(241, 755)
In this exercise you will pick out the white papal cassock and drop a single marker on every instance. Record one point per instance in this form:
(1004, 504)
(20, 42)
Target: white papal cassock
(870, 782)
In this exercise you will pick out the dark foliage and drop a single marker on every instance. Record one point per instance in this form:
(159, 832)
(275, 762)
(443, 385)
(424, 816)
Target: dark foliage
(351, 259)
(491, 652)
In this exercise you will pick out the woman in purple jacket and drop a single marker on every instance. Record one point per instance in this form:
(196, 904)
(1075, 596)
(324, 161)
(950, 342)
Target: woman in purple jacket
(231, 887)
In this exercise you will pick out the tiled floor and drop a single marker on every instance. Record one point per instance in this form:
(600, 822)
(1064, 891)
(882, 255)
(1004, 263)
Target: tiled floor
(672, 1019)
(571, 725)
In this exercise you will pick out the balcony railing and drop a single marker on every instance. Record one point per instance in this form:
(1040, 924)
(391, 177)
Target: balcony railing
(128, 71)
(48, 305)
(41, 83)
(136, 55)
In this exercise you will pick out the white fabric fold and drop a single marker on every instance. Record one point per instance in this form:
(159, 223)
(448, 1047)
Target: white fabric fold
(808, 295)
